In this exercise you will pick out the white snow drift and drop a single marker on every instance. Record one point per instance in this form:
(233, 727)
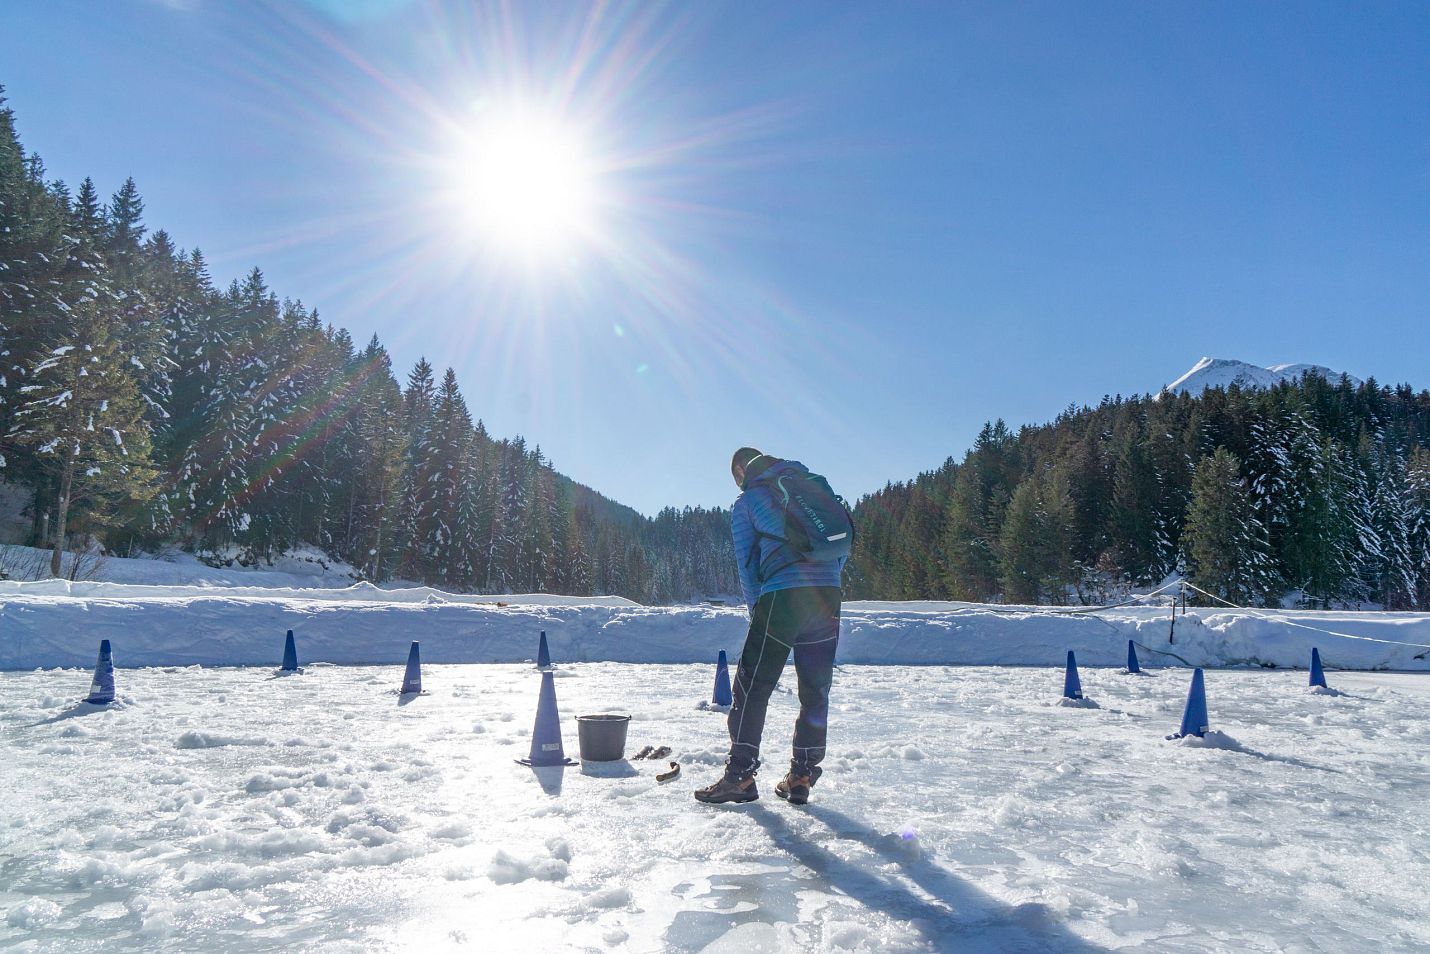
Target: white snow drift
(60, 624)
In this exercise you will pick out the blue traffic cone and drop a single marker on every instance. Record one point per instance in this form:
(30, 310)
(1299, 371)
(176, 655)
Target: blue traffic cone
(290, 654)
(543, 654)
(546, 748)
(1318, 675)
(1194, 719)
(101, 688)
(1072, 685)
(1132, 657)
(722, 696)
(412, 679)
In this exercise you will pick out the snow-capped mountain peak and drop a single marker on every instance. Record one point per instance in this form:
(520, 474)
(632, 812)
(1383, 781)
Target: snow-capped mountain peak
(1224, 372)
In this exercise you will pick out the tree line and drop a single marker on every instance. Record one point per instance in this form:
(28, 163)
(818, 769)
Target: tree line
(1314, 492)
(143, 406)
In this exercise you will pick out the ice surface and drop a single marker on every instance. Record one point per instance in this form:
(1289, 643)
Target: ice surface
(961, 810)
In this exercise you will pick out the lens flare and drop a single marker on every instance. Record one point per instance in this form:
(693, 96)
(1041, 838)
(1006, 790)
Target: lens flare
(522, 181)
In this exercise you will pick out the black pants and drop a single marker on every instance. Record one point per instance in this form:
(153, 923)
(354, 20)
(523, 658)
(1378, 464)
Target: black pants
(805, 619)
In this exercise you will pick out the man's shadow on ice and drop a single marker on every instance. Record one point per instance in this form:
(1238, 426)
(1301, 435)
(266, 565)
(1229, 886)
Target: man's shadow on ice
(959, 916)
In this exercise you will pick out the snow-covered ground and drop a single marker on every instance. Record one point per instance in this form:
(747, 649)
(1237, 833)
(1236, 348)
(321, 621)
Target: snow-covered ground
(224, 809)
(299, 568)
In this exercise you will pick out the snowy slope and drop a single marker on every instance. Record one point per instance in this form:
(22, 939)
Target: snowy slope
(1223, 373)
(58, 624)
(224, 810)
(299, 568)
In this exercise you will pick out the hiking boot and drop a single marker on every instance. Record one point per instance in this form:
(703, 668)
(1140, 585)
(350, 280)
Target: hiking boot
(729, 790)
(794, 788)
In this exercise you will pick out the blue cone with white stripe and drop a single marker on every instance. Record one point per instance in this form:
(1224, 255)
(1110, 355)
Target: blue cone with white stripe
(290, 654)
(1318, 675)
(543, 654)
(546, 747)
(412, 679)
(1072, 685)
(1194, 717)
(101, 688)
(1132, 657)
(722, 695)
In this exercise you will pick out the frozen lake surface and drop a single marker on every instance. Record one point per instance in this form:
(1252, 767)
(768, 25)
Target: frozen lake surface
(962, 809)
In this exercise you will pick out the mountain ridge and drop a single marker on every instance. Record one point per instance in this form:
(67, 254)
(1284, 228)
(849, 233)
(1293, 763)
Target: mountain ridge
(1224, 372)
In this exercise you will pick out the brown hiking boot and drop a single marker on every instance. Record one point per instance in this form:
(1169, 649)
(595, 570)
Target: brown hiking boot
(729, 790)
(794, 788)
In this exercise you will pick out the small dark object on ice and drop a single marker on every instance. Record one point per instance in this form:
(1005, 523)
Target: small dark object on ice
(667, 776)
(650, 752)
(644, 753)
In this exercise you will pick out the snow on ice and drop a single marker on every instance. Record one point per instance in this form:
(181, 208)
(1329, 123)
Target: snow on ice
(220, 809)
(963, 807)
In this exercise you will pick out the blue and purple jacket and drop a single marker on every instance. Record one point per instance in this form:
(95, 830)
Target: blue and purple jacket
(756, 509)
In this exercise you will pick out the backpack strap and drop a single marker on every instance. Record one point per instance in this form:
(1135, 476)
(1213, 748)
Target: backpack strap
(752, 558)
(760, 574)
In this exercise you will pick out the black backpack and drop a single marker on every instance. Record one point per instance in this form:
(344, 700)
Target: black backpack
(818, 527)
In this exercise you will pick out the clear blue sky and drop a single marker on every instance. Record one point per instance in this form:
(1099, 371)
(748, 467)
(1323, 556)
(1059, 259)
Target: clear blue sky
(846, 233)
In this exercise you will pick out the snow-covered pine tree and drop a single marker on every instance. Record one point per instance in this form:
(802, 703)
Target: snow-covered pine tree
(1362, 546)
(32, 254)
(191, 316)
(509, 514)
(138, 286)
(573, 570)
(80, 411)
(538, 544)
(446, 546)
(1417, 493)
(377, 478)
(235, 460)
(1393, 516)
(415, 522)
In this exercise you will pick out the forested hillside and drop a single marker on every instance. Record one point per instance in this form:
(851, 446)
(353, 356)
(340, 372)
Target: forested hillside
(1316, 492)
(141, 405)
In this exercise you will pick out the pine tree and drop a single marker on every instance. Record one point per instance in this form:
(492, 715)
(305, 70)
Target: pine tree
(81, 410)
(377, 478)
(1227, 551)
(1137, 537)
(417, 519)
(1393, 515)
(445, 544)
(1036, 541)
(1417, 495)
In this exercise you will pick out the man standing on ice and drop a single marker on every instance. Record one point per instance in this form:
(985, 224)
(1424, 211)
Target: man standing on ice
(792, 536)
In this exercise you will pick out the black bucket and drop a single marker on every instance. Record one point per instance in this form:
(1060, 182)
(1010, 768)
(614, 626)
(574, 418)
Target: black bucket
(603, 737)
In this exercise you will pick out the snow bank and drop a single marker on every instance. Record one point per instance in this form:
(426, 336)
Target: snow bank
(60, 624)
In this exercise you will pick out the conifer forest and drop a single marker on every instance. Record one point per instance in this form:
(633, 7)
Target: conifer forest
(145, 405)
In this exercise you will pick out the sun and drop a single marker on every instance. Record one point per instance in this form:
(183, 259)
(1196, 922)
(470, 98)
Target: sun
(524, 182)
